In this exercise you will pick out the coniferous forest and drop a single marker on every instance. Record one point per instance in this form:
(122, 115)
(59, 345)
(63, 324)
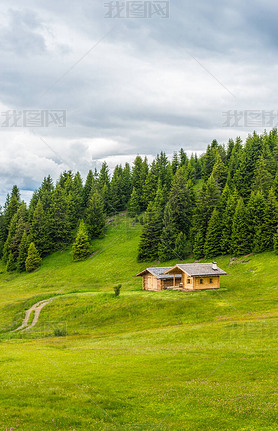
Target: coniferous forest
(223, 202)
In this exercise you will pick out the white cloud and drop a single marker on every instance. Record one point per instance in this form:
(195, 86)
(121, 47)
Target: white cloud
(147, 86)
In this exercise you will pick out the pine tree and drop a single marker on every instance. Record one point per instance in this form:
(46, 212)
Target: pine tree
(166, 249)
(81, 245)
(262, 177)
(11, 263)
(181, 199)
(134, 204)
(149, 240)
(270, 221)
(175, 163)
(255, 210)
(126, 184)
(33, 260)
(212, 245)
(104, 188)
(117, 190)
(199, 242)
(59, 227)
(183, 157)
(95, 216)
(241, 241)
(75, 199)
(181, 246)
(227, 222)
(39, 230)
(23, 252)
(88, 188)
(150, 185)
(220, 173)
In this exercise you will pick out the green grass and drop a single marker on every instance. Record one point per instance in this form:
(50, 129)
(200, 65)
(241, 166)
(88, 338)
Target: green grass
(143, 360)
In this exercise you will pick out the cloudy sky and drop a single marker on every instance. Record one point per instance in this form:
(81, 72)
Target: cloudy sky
(129, 84)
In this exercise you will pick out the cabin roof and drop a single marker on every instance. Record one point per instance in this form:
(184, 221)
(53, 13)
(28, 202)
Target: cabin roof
(197, 269)
(158, 272)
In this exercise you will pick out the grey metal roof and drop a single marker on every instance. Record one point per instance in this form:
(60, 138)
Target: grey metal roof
(159, 272)
(199, 269)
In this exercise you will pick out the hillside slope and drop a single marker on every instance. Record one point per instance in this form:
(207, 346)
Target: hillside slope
(144, 360)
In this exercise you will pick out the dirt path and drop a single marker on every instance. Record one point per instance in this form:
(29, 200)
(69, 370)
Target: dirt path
(37, 308)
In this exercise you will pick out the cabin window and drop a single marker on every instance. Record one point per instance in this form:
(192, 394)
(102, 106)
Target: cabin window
(211, 280)
(188, 281)
(201, 281)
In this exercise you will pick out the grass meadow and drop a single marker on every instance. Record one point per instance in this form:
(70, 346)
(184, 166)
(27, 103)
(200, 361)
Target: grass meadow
(144, 360)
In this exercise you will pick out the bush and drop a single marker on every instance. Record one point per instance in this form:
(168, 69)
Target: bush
(117, 290)
(60, 332)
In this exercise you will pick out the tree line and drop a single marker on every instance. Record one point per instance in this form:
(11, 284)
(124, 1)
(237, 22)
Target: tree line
(223, 202)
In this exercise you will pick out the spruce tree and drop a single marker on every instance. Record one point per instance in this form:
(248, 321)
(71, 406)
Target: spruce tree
(59, 227)
(212, 245)
(39, 230)
(181, 246)
(255, 211)
(23, 252)
(241, 241)
(11, 263)
(270, 221)
(227, 223)
(149, 240)
(150, 185)
(88, 189)
(33, 260)
(81, 245)
(166, 249)
(220, 172)
(262, 177)
(134, 204)
(199, 242)
(95, 216)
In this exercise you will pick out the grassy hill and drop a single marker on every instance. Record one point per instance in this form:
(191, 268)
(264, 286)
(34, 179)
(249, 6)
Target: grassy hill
(144, 360)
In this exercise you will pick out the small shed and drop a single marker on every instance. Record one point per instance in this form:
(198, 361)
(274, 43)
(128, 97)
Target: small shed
(156, 279)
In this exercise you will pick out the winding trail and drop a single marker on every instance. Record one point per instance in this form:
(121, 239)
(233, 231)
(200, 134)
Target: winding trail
(37, 308)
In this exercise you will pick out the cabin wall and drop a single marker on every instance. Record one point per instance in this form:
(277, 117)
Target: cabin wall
(151, 283)
(185, 283)
(206, 284)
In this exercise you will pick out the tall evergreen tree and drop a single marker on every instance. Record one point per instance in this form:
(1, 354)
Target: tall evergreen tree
(166, 248)
(33, 260)
(95, 216)
(134, 204)
(23, 252)
(241, 241)
(149, 240)
(81, 245)
(212, 245)
(59, 227)
(270, 221)
(39, 230)
(181, 246)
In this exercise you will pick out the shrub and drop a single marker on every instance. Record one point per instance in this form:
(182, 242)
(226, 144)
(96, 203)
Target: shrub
(117, 290)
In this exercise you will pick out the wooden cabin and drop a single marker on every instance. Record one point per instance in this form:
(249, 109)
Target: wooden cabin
(187, 276)
(156, 279)
(198, 276)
